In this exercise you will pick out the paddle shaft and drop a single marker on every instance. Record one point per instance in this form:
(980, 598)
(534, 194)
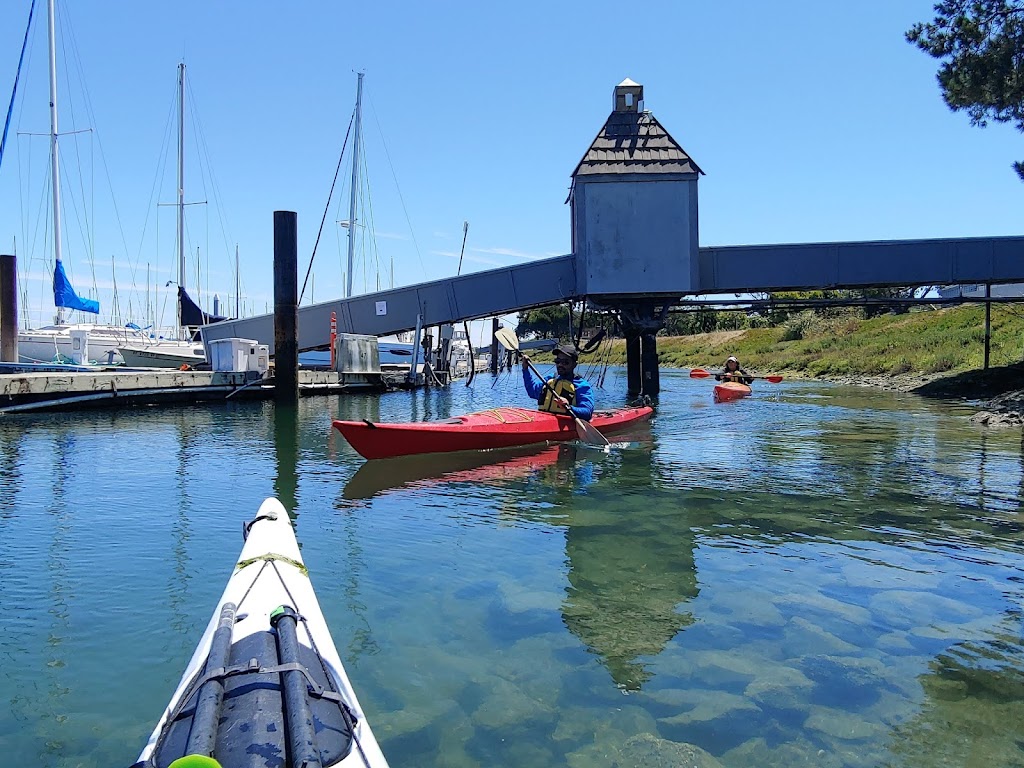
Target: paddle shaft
(700, 373)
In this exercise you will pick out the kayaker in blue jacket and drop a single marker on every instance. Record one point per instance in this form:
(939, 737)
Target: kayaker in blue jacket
(572, 392)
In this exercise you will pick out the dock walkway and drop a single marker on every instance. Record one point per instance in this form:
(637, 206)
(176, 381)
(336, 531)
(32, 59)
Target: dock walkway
(111, 387)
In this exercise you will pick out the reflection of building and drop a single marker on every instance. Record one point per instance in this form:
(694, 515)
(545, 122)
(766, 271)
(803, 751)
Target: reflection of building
(626, 584)
(628, 574)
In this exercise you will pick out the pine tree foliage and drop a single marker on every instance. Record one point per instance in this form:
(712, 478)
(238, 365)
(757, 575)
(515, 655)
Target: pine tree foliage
(981, 46)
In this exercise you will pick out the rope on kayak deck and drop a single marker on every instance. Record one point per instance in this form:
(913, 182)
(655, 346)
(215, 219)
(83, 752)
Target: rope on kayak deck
(271, 556)
(495, 413)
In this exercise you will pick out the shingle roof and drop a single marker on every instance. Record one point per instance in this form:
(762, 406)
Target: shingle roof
(632, 142)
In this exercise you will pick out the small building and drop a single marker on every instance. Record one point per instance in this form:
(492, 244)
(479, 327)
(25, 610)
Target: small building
(634, 206)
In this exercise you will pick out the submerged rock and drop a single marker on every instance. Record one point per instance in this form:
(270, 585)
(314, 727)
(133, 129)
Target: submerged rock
(644, 750)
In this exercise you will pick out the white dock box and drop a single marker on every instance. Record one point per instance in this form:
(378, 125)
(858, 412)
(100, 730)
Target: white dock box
(259, 359)
(239, 355)
(357, 354)
(80, 347)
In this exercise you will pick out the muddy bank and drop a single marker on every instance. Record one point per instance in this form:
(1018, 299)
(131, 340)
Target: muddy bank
(998, 392)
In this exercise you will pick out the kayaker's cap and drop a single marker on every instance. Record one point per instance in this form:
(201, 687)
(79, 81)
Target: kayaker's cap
(566, 350)
(731, 359)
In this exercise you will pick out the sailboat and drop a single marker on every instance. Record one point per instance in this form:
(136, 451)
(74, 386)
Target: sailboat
(184, 351)
(58, 342)
(395, 346)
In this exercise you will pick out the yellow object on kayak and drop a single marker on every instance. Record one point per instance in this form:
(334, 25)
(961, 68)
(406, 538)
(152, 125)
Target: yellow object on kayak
(195, 761)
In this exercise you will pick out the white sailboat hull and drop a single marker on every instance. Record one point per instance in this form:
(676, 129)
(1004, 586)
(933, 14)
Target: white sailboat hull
(52, 343)
(165, 354)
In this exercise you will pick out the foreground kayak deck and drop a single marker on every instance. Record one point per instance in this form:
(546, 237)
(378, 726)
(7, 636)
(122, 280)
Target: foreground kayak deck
(265, 686)
(496, 428)
(730, 390)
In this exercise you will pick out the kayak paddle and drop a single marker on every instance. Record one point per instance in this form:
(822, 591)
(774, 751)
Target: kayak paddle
(588, 433)
(700, 373)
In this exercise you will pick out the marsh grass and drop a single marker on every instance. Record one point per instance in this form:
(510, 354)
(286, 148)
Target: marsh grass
(929, 341)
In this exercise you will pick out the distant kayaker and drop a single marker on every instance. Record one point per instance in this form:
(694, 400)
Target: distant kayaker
(733, 372)
(572, 392)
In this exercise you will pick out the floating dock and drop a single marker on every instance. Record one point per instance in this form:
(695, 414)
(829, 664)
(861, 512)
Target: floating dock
(81, 387)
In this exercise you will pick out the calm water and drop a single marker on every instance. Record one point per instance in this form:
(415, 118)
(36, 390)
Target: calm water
(815, 576)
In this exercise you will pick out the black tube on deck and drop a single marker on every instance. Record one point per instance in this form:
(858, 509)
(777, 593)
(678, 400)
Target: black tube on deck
(8, 308)
(297, 717)
(202, 739)
(286, 307)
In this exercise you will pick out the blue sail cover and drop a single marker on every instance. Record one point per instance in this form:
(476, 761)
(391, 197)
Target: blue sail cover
(64, 295)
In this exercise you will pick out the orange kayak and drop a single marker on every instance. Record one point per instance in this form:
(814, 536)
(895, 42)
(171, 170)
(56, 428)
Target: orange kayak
(496, 428)
(730, 390)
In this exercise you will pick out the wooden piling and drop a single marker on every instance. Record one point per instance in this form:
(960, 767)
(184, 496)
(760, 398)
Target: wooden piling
(8, 308)
(633, 378)
(650, 376)
(286, 307)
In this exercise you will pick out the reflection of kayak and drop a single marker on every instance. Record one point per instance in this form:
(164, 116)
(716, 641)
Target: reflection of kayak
(496, 428)
(730, 390)
(374, 477)
(266, 680)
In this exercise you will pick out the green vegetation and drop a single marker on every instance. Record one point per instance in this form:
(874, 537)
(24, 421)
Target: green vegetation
(844, 344)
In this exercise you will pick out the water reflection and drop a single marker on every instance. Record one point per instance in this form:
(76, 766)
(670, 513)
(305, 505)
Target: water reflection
(286, 454)
(52, 700)
(973, 689)
(631, 571)
(377, 477)
(10, 470)
(828, 579)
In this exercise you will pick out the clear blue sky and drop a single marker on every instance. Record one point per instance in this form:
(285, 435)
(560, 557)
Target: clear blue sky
(813, 121)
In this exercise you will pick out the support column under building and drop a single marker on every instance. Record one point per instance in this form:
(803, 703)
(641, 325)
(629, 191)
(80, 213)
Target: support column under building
(650, 376)
(641, 322)
(633, 377)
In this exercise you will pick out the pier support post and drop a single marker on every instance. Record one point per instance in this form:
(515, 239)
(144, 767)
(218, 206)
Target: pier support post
(988, 322)
(649, 373)
(640, 323)
(286, 307)
(8, 308)
(633, 377)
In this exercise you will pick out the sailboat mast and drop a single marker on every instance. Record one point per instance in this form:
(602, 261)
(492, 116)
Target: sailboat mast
(355, 183)
(181, 184)
(238, 285)
(54, 158)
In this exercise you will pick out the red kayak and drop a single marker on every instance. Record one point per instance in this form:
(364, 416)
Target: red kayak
(730, 390)
(496, 428)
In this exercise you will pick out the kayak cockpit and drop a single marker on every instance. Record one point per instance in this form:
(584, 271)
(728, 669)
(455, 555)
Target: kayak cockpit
(277, 698)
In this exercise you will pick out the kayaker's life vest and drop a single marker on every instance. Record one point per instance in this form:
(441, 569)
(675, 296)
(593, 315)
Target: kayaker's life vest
(563, 387)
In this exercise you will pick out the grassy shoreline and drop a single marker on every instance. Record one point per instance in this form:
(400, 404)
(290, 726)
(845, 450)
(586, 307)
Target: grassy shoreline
(926, 343)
